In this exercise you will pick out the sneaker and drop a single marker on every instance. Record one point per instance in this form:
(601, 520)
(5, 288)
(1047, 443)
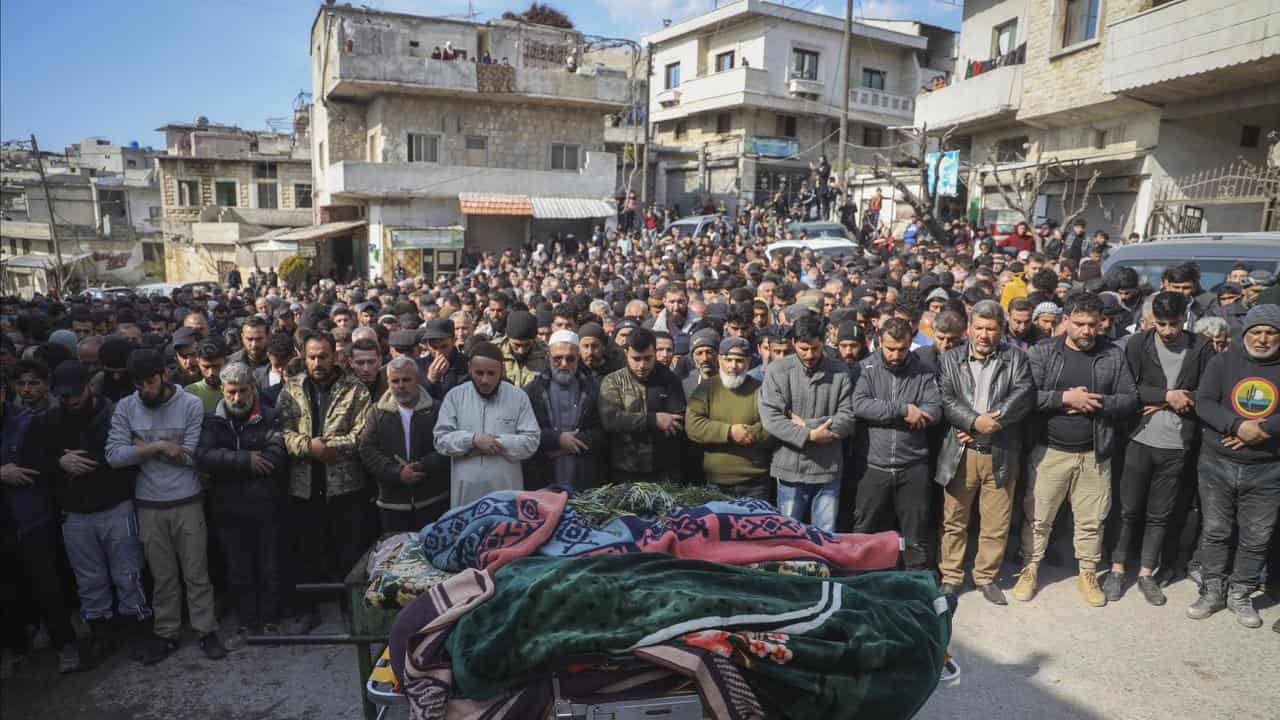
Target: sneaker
(1026, 587)
(69, 659)
(1240, 602)
(1150, 590)
(1087, 584)
(1207, 604)
(212, 646)
(303, 624)
(1113, 586)
(155, 648)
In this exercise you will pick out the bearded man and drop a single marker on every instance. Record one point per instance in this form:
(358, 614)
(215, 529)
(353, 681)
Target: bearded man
(571, 447)
(723, 417)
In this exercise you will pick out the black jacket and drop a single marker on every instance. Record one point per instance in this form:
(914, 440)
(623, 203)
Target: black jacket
(1012, 393)
(590, 468)
(382, 446)
(224, 453)
(880, 398)
(55, 432)
(453, 377)
(1148, 375)
(1111, 379)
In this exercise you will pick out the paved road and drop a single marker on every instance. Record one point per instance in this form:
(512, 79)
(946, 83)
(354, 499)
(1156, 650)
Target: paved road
(1052, 659)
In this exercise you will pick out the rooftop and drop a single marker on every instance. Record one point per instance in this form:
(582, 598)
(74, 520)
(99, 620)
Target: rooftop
(745, 8)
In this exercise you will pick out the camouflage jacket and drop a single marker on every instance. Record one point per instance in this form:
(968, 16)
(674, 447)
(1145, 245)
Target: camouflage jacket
(343, 424)
(628, 410)
(523, 373)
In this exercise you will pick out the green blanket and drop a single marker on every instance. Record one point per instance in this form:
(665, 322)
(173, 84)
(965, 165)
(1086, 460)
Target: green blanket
(866, 647)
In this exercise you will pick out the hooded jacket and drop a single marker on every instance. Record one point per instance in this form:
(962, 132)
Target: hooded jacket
(161, 482)
(1012, 394)
(506, 414)
(225, 453)
(383, 446)
(880, 400)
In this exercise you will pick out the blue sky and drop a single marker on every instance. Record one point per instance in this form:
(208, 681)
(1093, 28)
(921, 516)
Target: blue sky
(71, 69)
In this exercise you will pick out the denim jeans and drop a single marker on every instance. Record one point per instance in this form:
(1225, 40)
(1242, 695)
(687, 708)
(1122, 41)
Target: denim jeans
(812, 503)
(1148, 493)
(1240, 499)
(105, 553)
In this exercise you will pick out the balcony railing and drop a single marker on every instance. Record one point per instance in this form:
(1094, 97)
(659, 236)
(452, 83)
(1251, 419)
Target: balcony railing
(985, 95)
(878, 101)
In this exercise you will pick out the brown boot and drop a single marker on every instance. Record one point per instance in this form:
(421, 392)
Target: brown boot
(1026, 587)
(1087, 584)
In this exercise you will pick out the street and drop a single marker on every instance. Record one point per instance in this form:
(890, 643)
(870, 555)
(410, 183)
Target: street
(1054, 658)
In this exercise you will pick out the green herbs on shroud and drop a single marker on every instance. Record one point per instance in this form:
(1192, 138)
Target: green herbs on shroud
(597, 507)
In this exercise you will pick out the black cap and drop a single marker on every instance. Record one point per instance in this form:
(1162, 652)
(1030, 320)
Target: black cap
(522, 325)
(404, 339)
(185, 336)
(438, 329)
(69, 379)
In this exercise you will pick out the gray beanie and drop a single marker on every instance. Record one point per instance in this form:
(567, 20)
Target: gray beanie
(1265, 314)
(65, 338)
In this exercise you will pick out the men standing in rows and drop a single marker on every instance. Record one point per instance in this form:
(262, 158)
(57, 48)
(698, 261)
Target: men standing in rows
(488, 428)
(896, 400)
(1239, 466)
(1167, 363)
(806, 403)
(986, 392)
(524, 356)
(642, 408)
(571, 450)
(399, 451)
(157, 429)
(242, 449)
(1084, 391)
(723, 418)
(97, 500)
(322, 412)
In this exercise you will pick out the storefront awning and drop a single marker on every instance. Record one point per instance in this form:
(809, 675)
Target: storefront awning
(552, 208)
(495, 204)
(42, 262)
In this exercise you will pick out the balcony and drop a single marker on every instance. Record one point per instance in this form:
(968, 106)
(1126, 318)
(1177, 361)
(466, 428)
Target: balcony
(802, 86)
(1190, 49)
(981, 97)
(366, 180)
(879, 102)
(360, 77)
(711, 92)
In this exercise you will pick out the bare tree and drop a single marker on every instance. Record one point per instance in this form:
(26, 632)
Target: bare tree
(1072, 195)
(1025, 185)
(923, 202)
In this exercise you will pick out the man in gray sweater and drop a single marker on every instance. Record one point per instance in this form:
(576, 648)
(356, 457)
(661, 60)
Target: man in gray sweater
(805, 403)
(157, 429)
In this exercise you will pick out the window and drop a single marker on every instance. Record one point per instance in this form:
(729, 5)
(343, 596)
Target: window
(1003, 38)
(1250, 135)
(424, 148)
(786, 126)
(804, 64)
(724, 61)
(564, 157)
(724, 123)
(682, 129)
(112, 203)
(873, 79)
(152, 252)
(154, 212)
(225, 193)
(264, 170)
(102, 143)
(671, 76)
(873, 136)
(477, 142)
(1012, 149)
(268, 195)
(131, 163)
(1080, 23)
(302, 195)
(189, 193)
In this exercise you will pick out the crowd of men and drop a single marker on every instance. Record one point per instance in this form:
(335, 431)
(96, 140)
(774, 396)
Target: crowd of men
(223, 447)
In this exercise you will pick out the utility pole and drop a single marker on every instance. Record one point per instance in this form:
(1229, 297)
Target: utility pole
(648, 93)
(53, 223)
(846, 52)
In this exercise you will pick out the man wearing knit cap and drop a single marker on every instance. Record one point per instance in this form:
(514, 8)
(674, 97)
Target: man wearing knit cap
(598, 356)
(571, 447)
(1239, 403)
(524, 355)
(1046, 317)
(703, 347)
(723, 419)
(488, 428)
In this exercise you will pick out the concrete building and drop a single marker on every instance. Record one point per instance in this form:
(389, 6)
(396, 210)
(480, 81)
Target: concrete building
(746, 96)
(1170, 102)
(98, 155)
(221, 187)
(444, 158)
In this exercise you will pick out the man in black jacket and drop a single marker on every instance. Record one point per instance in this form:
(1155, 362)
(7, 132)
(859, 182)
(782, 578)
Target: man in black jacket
(986, 394)
(446, 367)
(412, 478)
(242, 449)
(1239, 466)
(572, 451)
(1166, 363)
(1084, 389)
(99, 526)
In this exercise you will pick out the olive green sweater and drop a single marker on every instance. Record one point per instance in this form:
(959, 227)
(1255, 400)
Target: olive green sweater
(710, 411)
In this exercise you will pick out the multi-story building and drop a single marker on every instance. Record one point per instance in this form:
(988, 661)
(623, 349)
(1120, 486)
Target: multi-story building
(1170, 103)
(745, 97)
(222, 187)
(498, 147)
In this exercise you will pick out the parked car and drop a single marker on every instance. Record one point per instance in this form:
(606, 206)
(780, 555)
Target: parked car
(157, 289)
(696, 225)
(111, 294)
(825, 247)
(1215, 253)
(819, 228)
